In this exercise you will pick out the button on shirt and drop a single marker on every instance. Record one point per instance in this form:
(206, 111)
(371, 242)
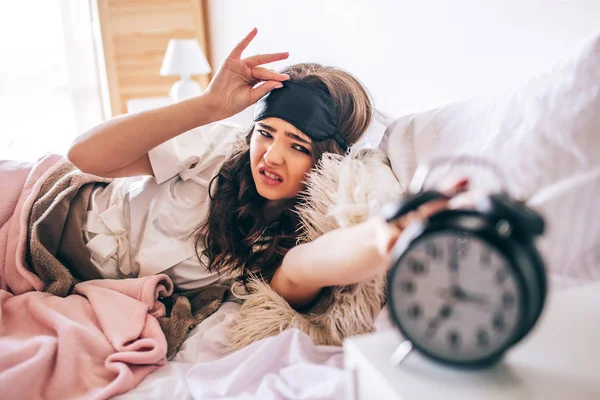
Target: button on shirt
(138, 226)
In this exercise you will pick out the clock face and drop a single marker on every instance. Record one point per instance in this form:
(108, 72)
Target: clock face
(456, 297)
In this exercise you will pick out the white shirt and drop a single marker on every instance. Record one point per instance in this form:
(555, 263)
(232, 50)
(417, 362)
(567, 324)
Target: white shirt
(140, 226)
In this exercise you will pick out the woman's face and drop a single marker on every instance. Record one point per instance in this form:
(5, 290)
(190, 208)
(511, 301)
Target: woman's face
(280, 157)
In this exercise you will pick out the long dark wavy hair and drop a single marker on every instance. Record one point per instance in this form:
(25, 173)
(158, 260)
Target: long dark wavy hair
(236, 239)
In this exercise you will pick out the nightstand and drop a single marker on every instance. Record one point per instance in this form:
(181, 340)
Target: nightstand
(560, 359)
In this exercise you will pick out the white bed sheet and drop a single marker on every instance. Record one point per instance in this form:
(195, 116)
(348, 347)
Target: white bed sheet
(287, 366)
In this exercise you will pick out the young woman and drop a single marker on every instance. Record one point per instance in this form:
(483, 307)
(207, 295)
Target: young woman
(218, 200)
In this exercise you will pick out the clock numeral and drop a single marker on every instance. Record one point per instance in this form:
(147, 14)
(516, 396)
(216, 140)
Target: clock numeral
(407, 287)
(414, 311)
(483, 338)
(454, 339)
(446, 311)
(416, 267)
(498, 323)
(508, 300)
(432, 250)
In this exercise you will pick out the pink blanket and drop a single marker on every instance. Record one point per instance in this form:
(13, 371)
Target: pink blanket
(20, 182)
(96, 343)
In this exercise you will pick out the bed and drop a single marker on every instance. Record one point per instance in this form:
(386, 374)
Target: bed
(544, 133)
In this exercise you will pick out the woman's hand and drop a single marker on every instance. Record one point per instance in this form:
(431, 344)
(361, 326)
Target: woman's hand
(232, 89)
(386, 234)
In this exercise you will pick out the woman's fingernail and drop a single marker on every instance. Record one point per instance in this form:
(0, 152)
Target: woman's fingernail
(278, 86)
(288, 77)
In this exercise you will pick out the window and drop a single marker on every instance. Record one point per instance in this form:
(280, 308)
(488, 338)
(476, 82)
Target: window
(45, 47)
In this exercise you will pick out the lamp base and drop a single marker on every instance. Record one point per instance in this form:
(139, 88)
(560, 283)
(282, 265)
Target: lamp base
(185, 89)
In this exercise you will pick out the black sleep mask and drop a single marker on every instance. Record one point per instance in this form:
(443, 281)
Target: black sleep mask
(308, 108)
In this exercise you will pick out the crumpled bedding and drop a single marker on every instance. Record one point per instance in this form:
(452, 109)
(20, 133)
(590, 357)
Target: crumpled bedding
(286, 366)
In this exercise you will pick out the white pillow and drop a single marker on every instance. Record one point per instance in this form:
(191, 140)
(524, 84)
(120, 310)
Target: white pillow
(374, 133)
(571, 243)
(545, 136)
(544, 130)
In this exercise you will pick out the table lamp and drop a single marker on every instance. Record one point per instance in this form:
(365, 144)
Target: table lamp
(184, 57)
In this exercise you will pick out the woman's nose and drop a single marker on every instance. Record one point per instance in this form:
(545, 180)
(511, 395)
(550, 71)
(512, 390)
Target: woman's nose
(274, 155)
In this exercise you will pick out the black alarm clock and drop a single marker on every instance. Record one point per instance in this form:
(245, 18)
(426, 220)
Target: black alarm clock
(467, 284)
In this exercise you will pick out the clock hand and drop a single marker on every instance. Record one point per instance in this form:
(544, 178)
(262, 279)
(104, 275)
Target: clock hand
(479, 299)
(453, 265)
(456, 291)
(461, 295)
(443, 314)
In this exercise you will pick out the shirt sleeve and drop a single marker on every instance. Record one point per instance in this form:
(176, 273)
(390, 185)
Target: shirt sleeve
(193, 151)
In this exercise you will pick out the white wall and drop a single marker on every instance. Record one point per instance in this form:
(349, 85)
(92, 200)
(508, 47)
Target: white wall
(411, 54)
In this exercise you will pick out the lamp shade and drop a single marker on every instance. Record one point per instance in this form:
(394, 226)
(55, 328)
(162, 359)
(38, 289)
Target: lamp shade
(184, 57)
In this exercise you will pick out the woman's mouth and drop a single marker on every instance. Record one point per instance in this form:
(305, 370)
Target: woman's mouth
(270, 178)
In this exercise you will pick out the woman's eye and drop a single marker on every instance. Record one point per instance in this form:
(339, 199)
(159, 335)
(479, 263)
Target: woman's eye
(302, 149)
(295, 147)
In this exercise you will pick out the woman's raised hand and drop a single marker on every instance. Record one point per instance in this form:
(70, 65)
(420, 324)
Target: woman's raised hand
(386, 234)
(234, 86)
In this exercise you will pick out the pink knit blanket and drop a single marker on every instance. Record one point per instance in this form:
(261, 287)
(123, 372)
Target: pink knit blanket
(97, 342)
